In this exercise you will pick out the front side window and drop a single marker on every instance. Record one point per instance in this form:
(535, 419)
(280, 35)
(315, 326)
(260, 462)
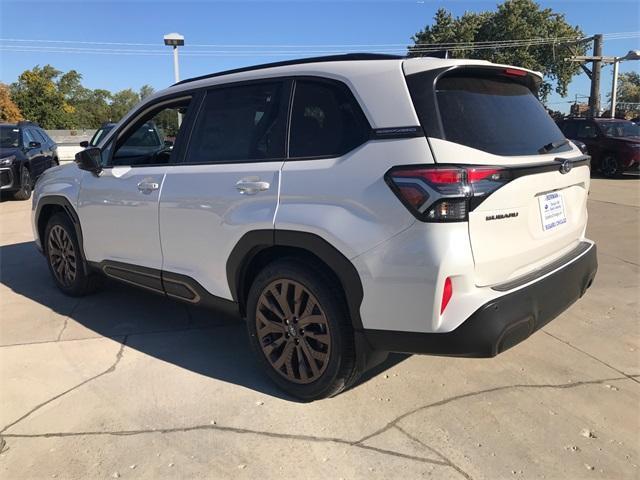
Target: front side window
(27, 137)
(326, 120)
(150, 140)
(240, 124)
(620, 129)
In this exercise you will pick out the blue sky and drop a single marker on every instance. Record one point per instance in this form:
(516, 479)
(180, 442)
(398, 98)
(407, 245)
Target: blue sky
(257, 22)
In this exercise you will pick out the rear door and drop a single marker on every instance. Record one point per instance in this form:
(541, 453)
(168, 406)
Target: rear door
(491, 117)
(228, 183)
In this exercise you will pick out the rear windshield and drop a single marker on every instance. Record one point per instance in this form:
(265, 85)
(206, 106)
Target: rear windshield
(494, 114)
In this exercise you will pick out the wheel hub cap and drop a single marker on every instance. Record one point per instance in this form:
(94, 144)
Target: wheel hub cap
(293, 331)
(62, 255)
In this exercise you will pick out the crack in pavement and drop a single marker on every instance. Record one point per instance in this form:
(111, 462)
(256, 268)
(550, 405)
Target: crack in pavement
(309, 438)
(462, 396)
(429, 447)
(84, 382)
(131, 334)
(220, 428)
(569, 344)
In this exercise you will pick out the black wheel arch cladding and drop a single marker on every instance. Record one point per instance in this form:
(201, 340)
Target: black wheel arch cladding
(253, 243)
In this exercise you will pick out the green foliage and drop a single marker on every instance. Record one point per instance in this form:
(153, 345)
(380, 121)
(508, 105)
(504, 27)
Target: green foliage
(56, 100)
(628, 92)
(512, 20)
(37, 96)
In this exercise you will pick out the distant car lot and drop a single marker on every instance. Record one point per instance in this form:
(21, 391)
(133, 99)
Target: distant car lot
(129, 383)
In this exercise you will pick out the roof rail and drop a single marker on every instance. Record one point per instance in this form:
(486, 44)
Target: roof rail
(300, 61)
(28, 122)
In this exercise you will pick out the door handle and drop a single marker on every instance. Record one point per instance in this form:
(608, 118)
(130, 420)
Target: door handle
(148, 187)
(252, 186)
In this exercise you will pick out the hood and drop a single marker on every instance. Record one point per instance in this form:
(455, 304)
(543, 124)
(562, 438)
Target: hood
(6, 151)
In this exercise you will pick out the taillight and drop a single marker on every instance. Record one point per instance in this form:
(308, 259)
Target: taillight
(447, 293)
(444, 193)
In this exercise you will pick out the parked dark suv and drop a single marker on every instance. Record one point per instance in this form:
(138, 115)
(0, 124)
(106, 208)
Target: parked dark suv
(614, 145)
(26, 151)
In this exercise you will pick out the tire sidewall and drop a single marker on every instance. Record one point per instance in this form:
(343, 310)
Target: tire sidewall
(341, 359)
(25, 184)
(76, 288)
(610, 174)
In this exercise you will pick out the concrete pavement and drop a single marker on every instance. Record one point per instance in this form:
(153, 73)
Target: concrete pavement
(126, 384)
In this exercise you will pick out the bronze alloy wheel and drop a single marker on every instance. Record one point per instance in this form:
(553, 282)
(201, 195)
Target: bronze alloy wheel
(62, 255)
(293, 331)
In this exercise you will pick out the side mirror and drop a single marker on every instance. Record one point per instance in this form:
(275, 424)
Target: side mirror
(168, 143)
(84, 144)
(89, 160)
(35, 144)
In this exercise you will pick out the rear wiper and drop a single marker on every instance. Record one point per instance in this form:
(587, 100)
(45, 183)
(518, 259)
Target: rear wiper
(553, 145)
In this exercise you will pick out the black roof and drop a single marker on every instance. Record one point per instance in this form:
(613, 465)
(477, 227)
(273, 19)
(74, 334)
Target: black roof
(300, 61)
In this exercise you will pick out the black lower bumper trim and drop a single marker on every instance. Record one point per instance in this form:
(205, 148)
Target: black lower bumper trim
(503, 322)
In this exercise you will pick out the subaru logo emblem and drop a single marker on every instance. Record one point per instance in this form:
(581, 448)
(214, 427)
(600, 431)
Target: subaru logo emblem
(566, 166)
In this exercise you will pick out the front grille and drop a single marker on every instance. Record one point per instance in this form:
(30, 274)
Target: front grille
(6, 178)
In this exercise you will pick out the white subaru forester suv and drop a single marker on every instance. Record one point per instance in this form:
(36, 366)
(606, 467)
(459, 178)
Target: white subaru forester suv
(344, 206)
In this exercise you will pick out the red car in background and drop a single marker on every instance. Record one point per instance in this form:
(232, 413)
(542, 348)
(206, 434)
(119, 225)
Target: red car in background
(614, 145)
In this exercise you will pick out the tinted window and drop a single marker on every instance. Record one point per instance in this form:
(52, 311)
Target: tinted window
(620, 129)
(38, 136)
(325, 121)
(245, 123)
(150, 140)
(9, 137)
(490, 113)
(586, 130)
(569, 129)
(27, 137)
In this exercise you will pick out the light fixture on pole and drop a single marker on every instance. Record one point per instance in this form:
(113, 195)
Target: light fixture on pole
(632, 55)
(175, 40)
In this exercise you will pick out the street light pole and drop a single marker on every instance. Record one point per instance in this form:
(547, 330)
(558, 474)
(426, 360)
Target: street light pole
(175, 40)
(614, 88)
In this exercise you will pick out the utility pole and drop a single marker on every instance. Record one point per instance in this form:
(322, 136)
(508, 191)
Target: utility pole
(594, 96)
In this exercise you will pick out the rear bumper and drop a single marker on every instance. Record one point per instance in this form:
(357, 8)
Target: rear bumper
(503, 322)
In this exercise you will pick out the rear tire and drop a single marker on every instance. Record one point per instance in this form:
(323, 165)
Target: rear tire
(610, 167)
(25, 185)
(65, 259)
(300, 331)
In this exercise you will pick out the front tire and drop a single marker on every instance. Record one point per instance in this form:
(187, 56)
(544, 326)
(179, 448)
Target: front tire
(610, 167)
(300, 331)
(66, 263)
(25, 185)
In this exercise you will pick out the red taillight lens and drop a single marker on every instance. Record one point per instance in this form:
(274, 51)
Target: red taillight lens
(442, 194)
(447, 292)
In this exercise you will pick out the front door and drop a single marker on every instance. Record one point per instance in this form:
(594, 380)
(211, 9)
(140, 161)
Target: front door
(119, 208)
(228, 183)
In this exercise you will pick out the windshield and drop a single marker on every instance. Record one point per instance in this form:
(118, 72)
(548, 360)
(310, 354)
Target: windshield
(620, 129)
(99, 135)
(491, 113)
(9, 137)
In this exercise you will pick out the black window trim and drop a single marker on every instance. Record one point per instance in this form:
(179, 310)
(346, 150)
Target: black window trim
(115, 135)
(287, 84)
(197, 95)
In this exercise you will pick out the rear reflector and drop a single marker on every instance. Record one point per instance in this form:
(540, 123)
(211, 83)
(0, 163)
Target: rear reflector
(447, 292)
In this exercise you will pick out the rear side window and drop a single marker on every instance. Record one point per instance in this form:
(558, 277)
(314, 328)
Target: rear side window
(238, 124)
(326, 120)
(491, 113)
(569, 129)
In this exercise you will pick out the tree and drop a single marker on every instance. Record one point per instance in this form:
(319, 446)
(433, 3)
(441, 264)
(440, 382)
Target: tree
(122, 102)
(146, 91)
(9, 112)
(628, 93)
(38, 98)
(512, 20)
